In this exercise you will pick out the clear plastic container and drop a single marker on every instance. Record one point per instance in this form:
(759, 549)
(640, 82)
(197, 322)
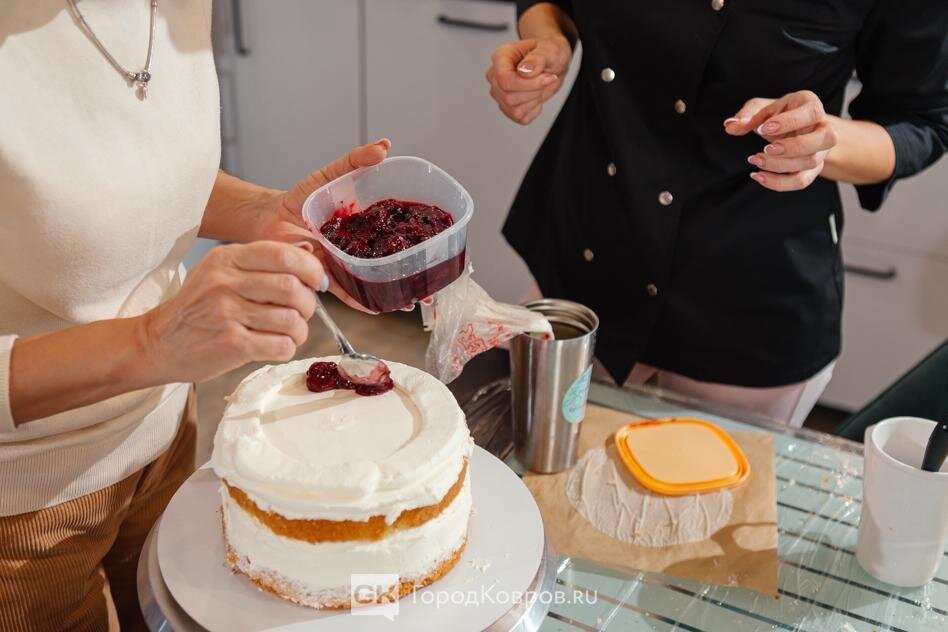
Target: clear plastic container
(389, 283)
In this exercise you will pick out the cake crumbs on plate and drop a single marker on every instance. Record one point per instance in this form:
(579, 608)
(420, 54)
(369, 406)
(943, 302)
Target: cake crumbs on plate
(480, 564)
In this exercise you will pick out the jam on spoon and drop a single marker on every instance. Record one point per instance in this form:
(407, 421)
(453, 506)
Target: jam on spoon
(325, 376)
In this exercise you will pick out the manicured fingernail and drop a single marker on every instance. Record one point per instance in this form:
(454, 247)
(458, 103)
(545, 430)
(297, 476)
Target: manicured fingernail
(770, 127)
(756, 176)
(774, 149)
(410, 308)
(755, 160)
(547, 80)
(324, 284)
(736, 119)
(525, 68)
(427, 301)
(384, 142)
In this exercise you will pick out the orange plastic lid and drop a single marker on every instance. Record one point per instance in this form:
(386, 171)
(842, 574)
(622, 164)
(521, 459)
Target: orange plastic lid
(681, 456)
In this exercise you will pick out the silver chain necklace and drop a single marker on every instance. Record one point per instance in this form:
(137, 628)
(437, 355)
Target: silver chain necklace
(139, 79)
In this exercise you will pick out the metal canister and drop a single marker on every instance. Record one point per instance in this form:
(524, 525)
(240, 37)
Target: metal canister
(549, 382)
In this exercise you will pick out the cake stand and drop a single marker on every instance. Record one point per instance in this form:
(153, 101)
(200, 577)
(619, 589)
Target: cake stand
(184, 585)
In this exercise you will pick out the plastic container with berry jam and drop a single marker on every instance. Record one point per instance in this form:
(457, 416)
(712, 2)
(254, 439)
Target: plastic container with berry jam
(406, 249)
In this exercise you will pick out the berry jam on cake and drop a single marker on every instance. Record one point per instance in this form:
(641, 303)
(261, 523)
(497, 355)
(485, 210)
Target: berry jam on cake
(325, 376)
(316, 486)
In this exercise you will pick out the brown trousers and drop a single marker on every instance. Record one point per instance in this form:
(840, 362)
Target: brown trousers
(61, 566)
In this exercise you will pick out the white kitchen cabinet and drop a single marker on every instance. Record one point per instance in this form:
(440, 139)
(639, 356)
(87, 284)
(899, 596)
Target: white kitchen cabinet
(913, 219)
(290, 75)
(895, 308)
(425, 89)
(892, 318)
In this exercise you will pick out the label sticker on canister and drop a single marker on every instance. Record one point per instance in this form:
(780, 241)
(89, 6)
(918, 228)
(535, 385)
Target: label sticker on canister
(574, 401)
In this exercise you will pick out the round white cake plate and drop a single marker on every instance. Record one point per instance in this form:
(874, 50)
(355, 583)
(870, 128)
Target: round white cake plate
(504, 552)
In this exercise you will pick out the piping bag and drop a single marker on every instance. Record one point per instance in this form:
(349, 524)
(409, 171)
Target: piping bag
(465, 321)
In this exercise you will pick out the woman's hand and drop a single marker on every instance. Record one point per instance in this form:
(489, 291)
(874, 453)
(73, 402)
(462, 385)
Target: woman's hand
(524, 74)
(800, 135)
(285, 222)
(284, 219)
(241, 303)
(244, 212)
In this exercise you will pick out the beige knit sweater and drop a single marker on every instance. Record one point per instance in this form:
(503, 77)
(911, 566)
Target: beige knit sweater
(101, 195)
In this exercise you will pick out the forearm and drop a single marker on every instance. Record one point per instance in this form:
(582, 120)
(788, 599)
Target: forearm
(59, 371)
(236, 209)
(547, 20)
(864, 153)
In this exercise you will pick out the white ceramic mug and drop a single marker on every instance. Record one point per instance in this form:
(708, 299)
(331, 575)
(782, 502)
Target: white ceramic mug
(903, 527)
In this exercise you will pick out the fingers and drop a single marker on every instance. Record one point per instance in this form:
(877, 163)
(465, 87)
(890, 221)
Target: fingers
(268, 347)
(801, 110)
(821, 138)
(510, 80)
(523, 106)
(789, 182)
(513, 99)
(272, 319)
(276, 289)
(524, 74)
(533, 64)
(364, 156)
(274, 256)
(800, 137)
(785, 165)
(530, 115)
(740, 123)
(556, 54)
(517, 67)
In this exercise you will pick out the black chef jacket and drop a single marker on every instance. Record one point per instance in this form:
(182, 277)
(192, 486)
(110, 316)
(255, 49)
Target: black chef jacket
(640, 206)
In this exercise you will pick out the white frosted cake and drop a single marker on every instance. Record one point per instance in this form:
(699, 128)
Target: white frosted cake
(318, 486)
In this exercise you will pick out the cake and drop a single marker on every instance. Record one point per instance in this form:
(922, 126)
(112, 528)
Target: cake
(316, 487)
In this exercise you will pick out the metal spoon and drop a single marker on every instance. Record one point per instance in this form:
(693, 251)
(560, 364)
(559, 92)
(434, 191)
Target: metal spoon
(358, 368)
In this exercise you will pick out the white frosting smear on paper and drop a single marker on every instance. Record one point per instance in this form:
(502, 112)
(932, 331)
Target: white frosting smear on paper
(615, 504)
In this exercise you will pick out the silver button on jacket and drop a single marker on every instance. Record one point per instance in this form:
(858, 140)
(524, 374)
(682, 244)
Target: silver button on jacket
(608, 74)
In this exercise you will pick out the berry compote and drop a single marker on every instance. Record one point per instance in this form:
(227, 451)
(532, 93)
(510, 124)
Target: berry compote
(325, 376)
(385, 228)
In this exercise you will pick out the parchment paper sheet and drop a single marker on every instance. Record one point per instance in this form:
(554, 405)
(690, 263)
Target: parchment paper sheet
(743, 553)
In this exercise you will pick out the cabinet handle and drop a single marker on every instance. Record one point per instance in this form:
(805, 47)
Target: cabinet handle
(240, 45)
(882, 274)
(496, 27)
